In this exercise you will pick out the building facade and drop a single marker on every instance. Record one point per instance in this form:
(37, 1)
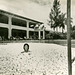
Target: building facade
(12, 25)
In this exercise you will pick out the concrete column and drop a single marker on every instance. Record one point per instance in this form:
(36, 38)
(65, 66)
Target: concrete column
(56, 29)
(43, 34)
(27, 29)
(9, 28)
(39, 35)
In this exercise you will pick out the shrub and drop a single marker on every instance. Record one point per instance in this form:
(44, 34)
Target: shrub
(63, 36)
(73, 34)
(56, 35)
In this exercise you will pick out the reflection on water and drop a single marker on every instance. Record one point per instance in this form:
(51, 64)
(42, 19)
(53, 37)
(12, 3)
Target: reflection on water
(72, 45)
(61, 42)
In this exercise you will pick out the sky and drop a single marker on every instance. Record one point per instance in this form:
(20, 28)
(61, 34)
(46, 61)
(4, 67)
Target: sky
(35, 9)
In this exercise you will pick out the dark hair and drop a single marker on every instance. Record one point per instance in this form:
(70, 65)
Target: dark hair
(24, 47)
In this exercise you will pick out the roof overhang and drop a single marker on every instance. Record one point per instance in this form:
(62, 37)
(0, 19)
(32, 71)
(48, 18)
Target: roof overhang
(3, 11)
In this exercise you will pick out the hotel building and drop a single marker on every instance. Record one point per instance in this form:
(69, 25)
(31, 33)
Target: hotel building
(13, 25)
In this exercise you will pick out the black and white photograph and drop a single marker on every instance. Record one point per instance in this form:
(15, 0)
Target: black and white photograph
(37, 37)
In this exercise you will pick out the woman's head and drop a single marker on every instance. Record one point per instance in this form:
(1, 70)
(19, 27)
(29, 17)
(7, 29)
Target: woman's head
(26, 47)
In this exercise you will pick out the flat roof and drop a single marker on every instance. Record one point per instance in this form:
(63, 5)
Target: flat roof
(20, 16)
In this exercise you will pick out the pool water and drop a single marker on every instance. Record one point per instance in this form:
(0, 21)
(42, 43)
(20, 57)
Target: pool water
(72, 45)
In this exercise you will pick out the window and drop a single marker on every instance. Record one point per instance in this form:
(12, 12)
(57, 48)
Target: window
(19, 22)
(3, 19)
(31, 25)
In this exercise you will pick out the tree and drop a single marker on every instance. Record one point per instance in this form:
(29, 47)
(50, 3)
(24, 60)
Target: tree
(55, 11)
(62, 21)
(73, 28)
(57, 19)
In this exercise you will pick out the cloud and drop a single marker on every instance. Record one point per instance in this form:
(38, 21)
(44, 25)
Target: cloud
(26, 8)
(42, 2)
(35, 9)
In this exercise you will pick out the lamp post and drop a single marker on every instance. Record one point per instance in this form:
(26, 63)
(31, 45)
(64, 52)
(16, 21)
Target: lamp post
(69, 36)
